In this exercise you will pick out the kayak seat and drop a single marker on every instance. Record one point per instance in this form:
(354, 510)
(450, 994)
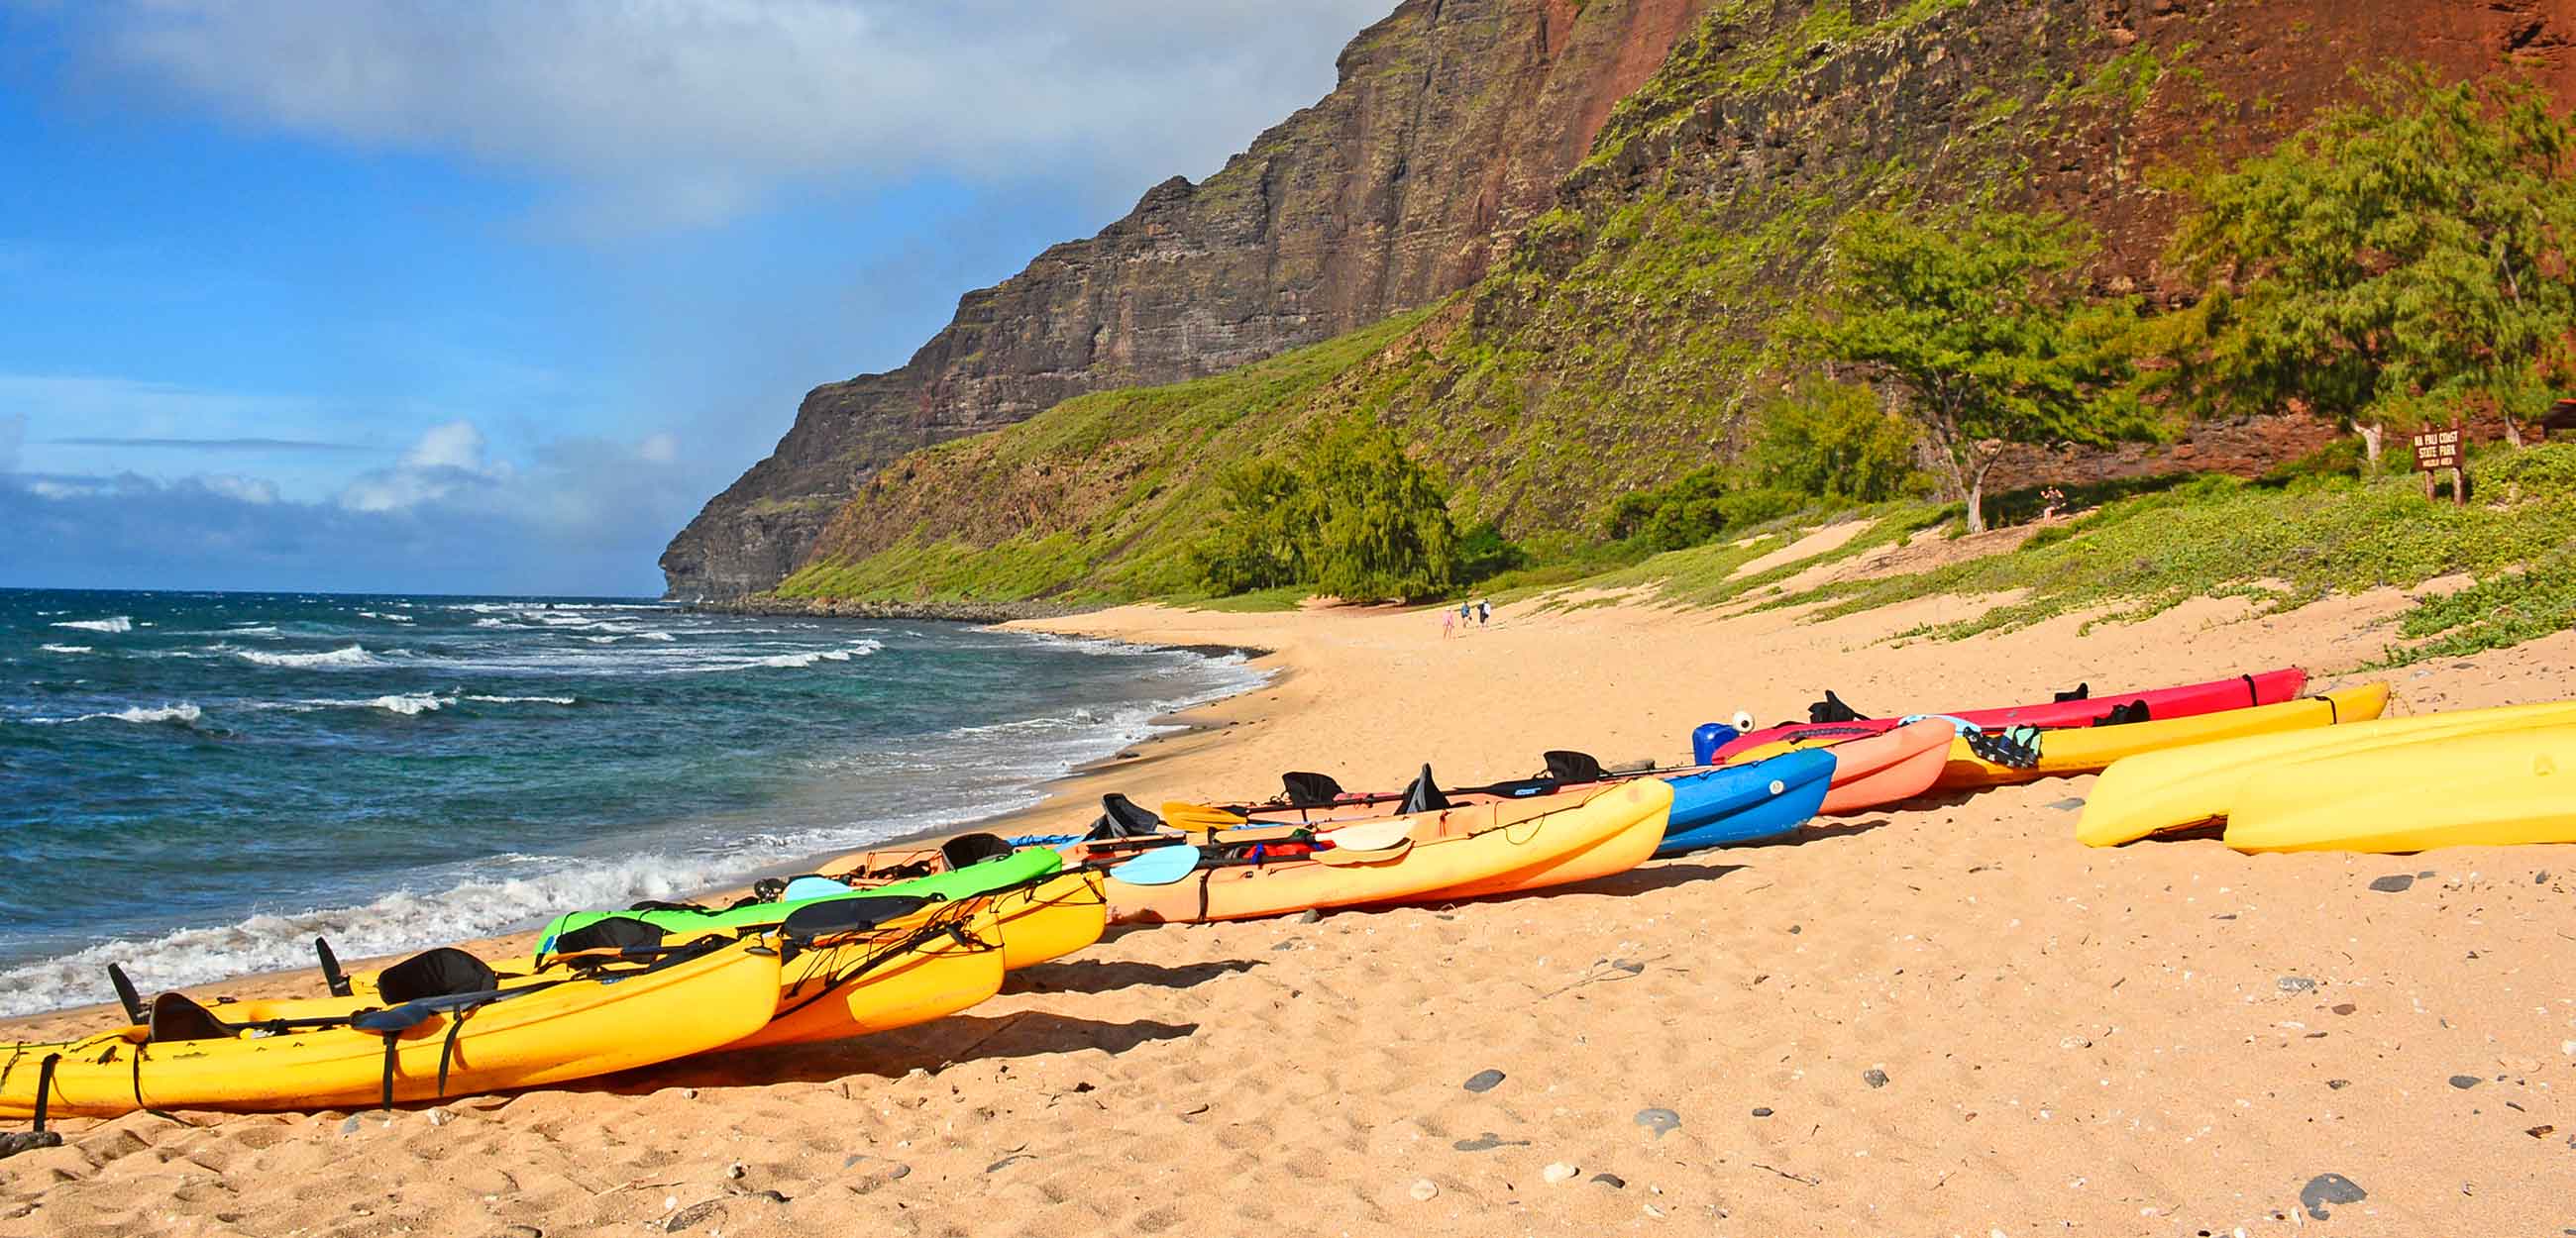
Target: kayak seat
(848, 915)
(971, 849)
(1568, 766)
(2080, 692)
(173, 1017)
(1832, 709)
(611, 933)
(1121, 817)
(442, 972)
(1309, 790)
(1423, 796)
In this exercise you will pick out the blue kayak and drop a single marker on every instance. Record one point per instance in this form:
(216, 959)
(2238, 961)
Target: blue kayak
(1741, 803)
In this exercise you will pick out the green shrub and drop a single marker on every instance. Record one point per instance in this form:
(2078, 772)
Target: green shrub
(1483, 553)
(2546, 470)
(1357, 518)
(1685, 511)
(1833, 441)
(2340, 460)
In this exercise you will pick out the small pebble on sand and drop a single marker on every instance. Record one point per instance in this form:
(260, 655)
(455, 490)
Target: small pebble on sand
(1659, 1121)
(2394, 883)
(2069, 804)
(1762, 1111)
(2329, 1189)
(1423, 1189)
(2465, 1082)
(1874, 1077)
(2338, 1084)
(2296, 984)
(1559, 1171)
(1613, 1181)
(1484, 1080)
(1308, 916)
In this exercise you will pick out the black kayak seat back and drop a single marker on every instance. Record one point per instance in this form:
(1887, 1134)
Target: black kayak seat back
(966, 850)
(1310, 790)
(1832, 709)
(849, 915)
(1565, 765)
(2080, 692)
(655, 904)
(1423, 796)
(443, 972)
(2123, 714)
(174, 1017)
(610, 933)
(1121, 817)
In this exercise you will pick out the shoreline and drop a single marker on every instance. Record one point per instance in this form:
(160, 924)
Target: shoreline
(1085, 779)
(1945, 1016)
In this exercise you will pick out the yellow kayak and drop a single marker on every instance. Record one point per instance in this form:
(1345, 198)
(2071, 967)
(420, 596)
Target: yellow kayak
(2083, 750)
(238, 1055)
(2183, 787)
(873, 979)
(2482, 789)
(912, 971)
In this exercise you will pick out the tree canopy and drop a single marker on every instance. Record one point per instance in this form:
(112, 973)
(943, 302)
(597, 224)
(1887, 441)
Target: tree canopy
(1980, 323)
(1353, 516)
(2398, 258)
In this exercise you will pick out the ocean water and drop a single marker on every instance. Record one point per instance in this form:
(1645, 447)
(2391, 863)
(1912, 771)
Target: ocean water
(197, 785)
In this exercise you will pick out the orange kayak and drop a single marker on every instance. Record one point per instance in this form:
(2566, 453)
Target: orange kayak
(1872, 770)
(1448, 853)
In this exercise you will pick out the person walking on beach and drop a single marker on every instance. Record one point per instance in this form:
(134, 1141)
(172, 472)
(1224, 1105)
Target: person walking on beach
(1448, 624)
(1484, 612)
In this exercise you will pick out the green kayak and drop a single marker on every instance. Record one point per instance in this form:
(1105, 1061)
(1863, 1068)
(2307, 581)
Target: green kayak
(998, 873)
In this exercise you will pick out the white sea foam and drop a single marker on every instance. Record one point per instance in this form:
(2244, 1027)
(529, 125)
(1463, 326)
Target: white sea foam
(489, 622)
(526, 700)
(183, 712)
(111, 625)
(66, 648)
(351, 655)
(387, 616)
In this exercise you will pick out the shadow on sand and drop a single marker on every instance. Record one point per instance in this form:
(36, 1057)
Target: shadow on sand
(1102, 976)
(931, 1047)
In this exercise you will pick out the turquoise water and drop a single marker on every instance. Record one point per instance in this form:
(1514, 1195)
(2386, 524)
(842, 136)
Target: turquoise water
(197, 785)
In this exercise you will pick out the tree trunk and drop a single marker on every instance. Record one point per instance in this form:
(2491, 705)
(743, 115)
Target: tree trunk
(2371, 432)
(2513, 429)
(1976, 488)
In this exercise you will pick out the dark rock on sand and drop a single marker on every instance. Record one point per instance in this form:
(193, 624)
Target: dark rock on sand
(1659, 1121)
(1874, 1077)
(1484, 1080)
(1762, 1111)
(2329, 1189)
(2394, 883)
(2465, 1082)
(1613, 1181)
(1487, 1142)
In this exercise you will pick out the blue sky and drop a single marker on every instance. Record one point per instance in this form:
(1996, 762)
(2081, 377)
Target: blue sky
(484, 296)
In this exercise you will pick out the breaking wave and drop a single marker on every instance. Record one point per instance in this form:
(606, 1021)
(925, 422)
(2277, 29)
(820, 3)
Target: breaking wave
(111, 625)
(352, 655)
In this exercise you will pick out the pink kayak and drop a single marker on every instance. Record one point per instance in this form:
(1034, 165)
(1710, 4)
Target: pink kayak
(2266, 688)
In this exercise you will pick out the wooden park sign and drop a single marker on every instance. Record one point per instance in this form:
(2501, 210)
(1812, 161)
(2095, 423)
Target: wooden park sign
(2438, 451)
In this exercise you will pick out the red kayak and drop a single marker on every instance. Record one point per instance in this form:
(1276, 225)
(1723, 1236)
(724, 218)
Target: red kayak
(2267, 688)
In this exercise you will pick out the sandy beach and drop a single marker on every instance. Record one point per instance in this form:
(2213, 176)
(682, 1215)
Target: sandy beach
(1945, 1019)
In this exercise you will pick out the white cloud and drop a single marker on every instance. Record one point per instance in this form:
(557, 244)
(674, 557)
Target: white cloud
(684, 112)
(240, 489)
(659, 448)
(453, 445)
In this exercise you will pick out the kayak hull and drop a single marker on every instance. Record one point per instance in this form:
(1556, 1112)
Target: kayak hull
(2084, 750)
(1742, 803)
(2186, 700)
(820, 1000)
(2493, 788)
(1463, 847)
(574, 1030)
(2153, 792)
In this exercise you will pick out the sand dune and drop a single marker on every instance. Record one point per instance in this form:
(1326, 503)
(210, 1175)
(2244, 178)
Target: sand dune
(2164, 1039)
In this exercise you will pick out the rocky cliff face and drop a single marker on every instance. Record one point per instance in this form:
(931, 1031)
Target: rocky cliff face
(1453, 123)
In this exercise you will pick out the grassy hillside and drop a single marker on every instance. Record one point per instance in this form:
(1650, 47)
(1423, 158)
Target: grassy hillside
(1618, 345)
